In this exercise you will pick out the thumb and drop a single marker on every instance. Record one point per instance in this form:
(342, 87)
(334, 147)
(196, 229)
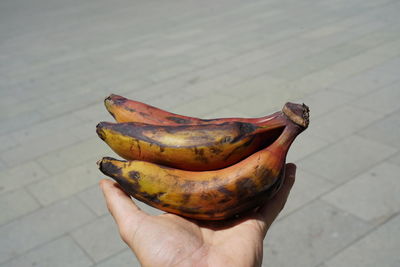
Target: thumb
(125, 212)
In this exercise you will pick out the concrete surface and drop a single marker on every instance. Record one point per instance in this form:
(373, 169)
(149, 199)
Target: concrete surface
(59, 59)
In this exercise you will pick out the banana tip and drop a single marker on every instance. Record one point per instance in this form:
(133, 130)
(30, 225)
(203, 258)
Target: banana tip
(114, 99)
(99, 163)
(107, 100)
(100, 132)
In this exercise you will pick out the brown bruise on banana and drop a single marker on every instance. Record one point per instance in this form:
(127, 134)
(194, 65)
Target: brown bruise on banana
(110, 169)
(239, 149)
(199, 155)
(112, 114)
(178, 120)
(116, 100)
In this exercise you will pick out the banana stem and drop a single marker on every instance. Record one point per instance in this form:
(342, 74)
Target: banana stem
(299, 114)
(297, 121)
(291, 113)
(287, 137)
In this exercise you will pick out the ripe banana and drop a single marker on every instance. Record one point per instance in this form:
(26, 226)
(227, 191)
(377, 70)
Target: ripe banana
(210, 195)
(191, 147)
(127, 110)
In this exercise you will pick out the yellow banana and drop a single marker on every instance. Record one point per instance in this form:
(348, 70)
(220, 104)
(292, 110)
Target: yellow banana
(191, 147)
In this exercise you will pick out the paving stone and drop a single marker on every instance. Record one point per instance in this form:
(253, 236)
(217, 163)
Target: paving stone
(71, 156)
(124, 259)
(251, 87)
(94, 199)
(378, 248)
(369, 80)
(304, 145)
(343, 160)
(307, 187)
(202, 86)
(324, 101)
(342, 122)
(38, 147)
(41, 226)
(15, 204)
(378, 37)
(147, 94)
(3, 167)
(8, 100)
(21, 175)
(172, 99)
(7, 142)
(390, 66)
(384, 131)
(19, 121)
(61, 252)
(170, 72)
(226, 112)
(65, 184)
(280, 53)
(42, 129)
(347, 68)
(278, 59)
(250, 56)
(318, 61)
(203, 105)
(353, 29)
(387, 50)
(212, 57)
(87, 130)
(323, 31)
(395, 159)
(100, 239)
(93, 113)
(214, 72)
(384, 101)
(372, 195)
(265, 102)
(311, 235)
(175, 50)
(154, 90)
(73, 102)
(194, 55)
(207, 50)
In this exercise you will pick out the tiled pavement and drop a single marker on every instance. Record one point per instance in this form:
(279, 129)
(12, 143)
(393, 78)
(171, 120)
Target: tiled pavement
(59, 59)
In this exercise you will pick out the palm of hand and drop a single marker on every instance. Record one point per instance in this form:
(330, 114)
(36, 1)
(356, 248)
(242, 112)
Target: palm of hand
(170, 240)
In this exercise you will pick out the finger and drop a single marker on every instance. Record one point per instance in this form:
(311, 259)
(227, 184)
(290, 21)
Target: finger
(120, 205)
(270, 210)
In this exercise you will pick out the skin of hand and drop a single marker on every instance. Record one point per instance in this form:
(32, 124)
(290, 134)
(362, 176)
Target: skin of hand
(171, 240)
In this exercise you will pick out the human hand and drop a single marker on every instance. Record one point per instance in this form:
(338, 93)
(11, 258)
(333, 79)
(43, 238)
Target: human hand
(171, 240)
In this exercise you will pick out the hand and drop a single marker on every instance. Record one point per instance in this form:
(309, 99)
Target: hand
(171, 240)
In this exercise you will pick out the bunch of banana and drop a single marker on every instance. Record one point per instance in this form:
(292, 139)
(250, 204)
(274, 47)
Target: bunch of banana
(202, 169)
